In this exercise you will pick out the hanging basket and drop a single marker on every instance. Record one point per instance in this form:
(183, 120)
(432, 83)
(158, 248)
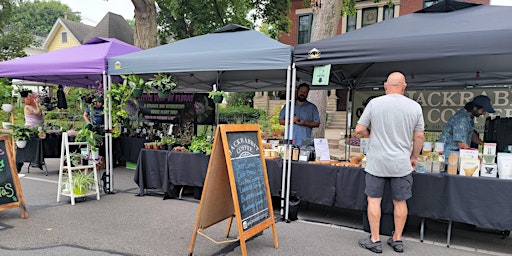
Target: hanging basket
(7, 108)
(217, 98)
(163, 94)
(24, 94)
(137, 92)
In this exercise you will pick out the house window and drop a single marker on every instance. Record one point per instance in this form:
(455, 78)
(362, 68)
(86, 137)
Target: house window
(64, 36)
(427, 3)
(304, 33)
(389, 13)
(351, 23)
(369, 16)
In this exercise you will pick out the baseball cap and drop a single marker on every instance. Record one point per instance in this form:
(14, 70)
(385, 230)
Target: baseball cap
(484, 102)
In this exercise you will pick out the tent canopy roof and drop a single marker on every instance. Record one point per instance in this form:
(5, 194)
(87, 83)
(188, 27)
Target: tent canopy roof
(236, 58)
(464, 47)
(81, 65)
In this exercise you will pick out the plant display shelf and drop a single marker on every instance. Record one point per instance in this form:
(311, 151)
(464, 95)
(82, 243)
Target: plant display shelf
(65, 155)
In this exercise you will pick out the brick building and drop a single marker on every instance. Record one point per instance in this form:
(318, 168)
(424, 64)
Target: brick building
(368, 12)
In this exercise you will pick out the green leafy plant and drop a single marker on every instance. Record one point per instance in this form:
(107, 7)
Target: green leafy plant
(5, 91)
(163, 82)
(21, 132)
(212, 94)
(120, 93)
(136, 83)
(91, 137)
(82, 180)
(201, 144)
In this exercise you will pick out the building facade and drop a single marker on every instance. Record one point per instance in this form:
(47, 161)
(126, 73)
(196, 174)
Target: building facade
(368, 12)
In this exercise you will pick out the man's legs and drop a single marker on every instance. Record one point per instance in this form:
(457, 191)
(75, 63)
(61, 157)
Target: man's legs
(400, 218)
(374, 214)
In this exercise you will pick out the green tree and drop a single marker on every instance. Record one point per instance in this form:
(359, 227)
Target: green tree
(240, 99)
(179, 19)
(38, 17)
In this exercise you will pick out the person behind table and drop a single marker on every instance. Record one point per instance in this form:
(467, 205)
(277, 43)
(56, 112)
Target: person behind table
(390, 121)
(306, 115)
(94, 117)
(34, 116)
(459, 130)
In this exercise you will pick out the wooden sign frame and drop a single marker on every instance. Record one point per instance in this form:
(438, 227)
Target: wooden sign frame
(7, 189)
(225, 186)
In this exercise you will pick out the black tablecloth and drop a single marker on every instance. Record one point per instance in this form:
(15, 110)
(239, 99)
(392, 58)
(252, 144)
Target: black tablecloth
(127, 149)
(151, 172)
(31, 153)
(474, 200)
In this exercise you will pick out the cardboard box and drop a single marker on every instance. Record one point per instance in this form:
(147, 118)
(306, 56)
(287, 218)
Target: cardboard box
(489, 170)
(469, 167)
(489, 149)
(468, 153)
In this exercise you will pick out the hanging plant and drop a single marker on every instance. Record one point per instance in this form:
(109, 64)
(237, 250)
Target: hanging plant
(136, 83)
(119, 93)
(163, 83)
(217, 96)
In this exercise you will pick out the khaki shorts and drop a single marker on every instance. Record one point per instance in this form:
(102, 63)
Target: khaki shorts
(401, 187)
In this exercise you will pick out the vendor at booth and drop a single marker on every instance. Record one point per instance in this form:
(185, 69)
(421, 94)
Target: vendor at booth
(306, 115)
(459, 130)
(94, 117)
(34, 116)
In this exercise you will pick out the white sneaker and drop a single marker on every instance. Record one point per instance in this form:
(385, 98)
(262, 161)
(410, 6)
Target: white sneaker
(21, 175)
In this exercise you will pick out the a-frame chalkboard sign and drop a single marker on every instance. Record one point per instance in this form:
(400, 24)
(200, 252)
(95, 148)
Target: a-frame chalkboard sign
(236, 186)
(11, 195)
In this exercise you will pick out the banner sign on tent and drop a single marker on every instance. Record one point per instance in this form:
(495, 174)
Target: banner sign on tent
(439, 105)
(178, 108)
(321, 75)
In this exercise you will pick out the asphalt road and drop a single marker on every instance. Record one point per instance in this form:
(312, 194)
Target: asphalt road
(125, 224)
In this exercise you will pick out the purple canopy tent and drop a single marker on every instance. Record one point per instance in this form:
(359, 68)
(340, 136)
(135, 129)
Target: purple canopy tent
(80, 66)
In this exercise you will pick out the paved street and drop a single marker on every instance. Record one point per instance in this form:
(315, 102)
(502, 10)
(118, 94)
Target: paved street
(125, 224)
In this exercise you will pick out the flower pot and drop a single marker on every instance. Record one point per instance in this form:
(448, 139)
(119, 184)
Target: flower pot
(7, 108)
(95, 154)
(163, 94)
(24, 94)
(21, 143)
(79, 191)
(5, 125)
(217, 98)
(137, 92)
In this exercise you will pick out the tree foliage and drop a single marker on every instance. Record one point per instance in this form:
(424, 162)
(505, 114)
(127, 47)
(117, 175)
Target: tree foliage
(38, 17)
(179, 19)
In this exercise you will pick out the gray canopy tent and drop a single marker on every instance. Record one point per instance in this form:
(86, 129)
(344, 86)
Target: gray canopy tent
(234, 58)
(448, 44)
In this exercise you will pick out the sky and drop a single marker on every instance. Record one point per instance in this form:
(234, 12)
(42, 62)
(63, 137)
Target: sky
(92, 11)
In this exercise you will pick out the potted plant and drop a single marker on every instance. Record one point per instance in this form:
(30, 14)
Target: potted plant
(6, 95)
(217, 96)
(23, 91)
(163, 83)
(82, 180)
(136, 83)
(200, 144)
(21, 134)
(92, 138)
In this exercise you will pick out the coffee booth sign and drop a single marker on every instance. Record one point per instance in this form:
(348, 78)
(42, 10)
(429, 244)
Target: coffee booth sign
(439, 105)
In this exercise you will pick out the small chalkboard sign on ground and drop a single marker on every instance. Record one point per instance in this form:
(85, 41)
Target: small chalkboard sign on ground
(11, 195)
(236, 186)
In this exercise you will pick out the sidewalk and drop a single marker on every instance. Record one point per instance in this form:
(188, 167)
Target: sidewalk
(125, 224)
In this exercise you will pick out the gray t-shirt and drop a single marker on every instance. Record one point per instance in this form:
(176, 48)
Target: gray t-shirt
(392, 119)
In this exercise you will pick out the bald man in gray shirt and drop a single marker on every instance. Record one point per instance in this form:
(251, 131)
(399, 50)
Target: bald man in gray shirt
(392, 121)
